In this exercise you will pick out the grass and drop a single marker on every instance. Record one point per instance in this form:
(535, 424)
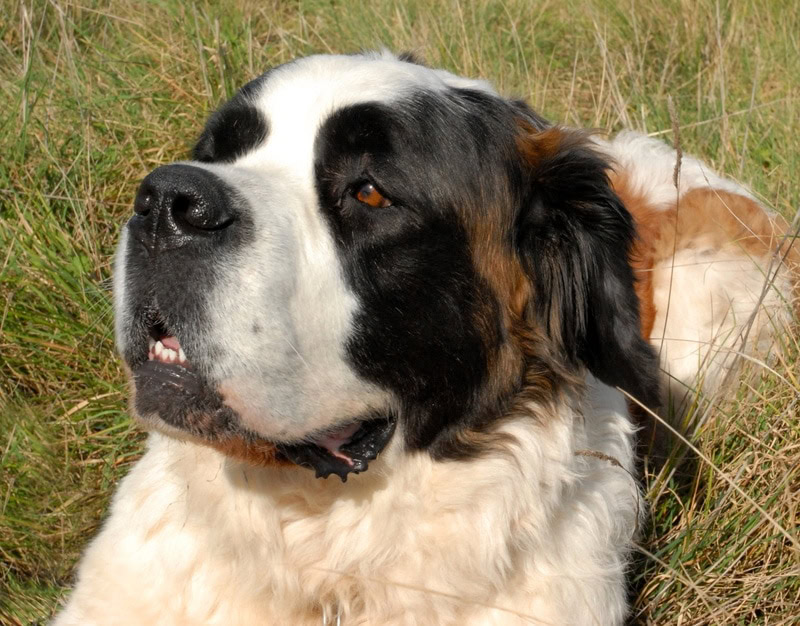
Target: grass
(94, 94)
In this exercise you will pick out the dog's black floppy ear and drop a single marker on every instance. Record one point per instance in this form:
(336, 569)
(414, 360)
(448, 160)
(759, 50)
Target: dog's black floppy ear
(574, 237)
(411, 57)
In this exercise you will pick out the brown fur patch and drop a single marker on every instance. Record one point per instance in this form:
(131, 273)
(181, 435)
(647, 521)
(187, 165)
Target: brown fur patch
(524, 371)
(642, 255)
(536, 145)
(501, 270)
(715, 219)
(705, 218)
(259, 453)
(489, 230)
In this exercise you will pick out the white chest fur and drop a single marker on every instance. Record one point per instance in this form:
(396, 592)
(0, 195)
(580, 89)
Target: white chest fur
(530, 531)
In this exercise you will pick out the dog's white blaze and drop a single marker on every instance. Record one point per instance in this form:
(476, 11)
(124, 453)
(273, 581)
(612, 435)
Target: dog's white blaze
(297, 98)
(280, 312)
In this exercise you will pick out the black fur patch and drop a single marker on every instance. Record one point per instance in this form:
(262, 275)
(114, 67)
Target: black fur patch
(410, 263)
(410, 57)
(444, 160)
(182, 399)
(525, 112)
(575, 236)
(234, 129)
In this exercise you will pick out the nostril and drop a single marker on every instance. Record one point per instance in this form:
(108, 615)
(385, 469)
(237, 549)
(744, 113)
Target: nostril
(195, 211)
(144, 201)
(182, 208)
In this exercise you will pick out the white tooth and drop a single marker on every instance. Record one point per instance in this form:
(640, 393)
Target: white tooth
(159, 348)
(181, 355)
(150, 343)
(169, 355)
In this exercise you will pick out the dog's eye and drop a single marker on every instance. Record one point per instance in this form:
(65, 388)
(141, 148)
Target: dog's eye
(369, 195)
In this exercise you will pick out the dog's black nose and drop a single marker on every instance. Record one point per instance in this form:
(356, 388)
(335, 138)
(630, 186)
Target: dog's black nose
(179, 204)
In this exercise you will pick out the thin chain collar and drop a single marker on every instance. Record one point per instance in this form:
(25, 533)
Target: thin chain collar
(331, 619)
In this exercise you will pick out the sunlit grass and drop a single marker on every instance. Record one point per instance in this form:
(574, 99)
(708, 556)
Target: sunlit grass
(95, 94)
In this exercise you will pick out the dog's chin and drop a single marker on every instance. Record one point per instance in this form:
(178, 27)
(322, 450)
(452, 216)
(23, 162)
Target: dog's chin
(177, 401)
(182, 400)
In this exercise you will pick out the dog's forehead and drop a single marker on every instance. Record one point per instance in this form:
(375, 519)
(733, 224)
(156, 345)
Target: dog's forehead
(295, 99)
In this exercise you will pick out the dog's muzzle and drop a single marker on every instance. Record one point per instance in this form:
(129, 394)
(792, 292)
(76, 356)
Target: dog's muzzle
(189, 230)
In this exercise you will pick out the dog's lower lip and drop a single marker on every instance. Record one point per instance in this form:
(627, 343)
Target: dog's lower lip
(170, 375)
(352, 455)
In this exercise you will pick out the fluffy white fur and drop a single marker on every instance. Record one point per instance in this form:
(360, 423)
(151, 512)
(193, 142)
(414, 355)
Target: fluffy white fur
(649, 165)
(529, 534)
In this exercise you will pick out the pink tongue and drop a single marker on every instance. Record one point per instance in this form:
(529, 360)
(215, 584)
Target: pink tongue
(171, 342)
(334, 441)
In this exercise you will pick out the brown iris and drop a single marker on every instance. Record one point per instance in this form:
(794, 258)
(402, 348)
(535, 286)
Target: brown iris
(372, 197)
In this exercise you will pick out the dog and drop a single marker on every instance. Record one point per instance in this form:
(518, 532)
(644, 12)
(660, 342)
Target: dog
(388, 330)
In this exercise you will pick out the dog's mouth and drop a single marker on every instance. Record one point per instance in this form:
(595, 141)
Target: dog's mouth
(168, 350)
(346, 450)
(169, 387)
(171, 391)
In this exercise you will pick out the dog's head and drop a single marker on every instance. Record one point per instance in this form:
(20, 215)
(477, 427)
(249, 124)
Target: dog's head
(361, 243)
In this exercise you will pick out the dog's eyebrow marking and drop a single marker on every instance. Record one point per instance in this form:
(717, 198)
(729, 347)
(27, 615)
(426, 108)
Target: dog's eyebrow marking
(234, 129)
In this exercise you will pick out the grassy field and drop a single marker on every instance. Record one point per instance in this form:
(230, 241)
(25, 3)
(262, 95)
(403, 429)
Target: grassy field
(94, 94)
